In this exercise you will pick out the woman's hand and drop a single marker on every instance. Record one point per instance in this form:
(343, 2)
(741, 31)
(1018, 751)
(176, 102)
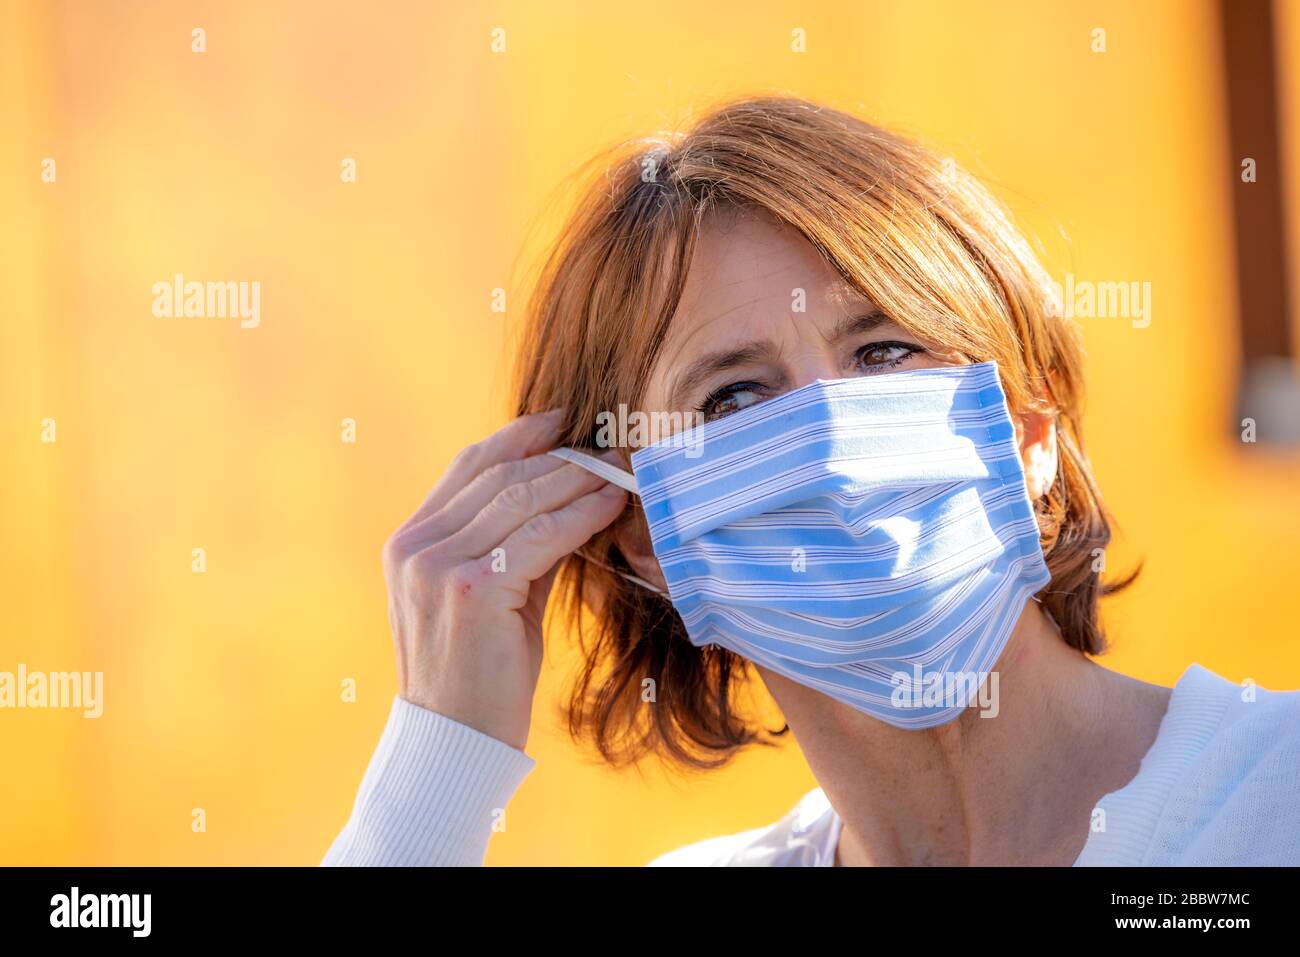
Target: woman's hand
(468, 574)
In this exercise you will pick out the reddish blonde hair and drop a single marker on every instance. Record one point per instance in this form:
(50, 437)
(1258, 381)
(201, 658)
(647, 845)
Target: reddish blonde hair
(907, 228)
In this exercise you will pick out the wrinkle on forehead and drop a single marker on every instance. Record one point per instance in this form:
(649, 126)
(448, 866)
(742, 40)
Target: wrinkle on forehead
(768, 250)
(766, 254)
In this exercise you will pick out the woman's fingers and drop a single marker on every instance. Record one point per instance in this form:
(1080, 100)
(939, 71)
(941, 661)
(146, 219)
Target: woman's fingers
(517, 504)
(524, 436)
(466, 504)
(532, 550)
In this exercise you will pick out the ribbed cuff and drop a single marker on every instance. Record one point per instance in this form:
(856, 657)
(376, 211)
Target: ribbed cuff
(430, 797)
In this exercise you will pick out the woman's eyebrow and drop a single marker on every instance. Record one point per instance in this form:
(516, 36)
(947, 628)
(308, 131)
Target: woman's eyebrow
(714, 362)
(856, 325)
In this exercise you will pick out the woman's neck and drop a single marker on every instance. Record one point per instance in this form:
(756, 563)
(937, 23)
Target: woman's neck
(1015, 788)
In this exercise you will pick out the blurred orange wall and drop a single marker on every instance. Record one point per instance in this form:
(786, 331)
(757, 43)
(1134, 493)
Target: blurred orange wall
(223, 688)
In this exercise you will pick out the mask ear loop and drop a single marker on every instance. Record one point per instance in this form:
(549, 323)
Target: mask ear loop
(610, 473)
(617, 476)
(632, 578)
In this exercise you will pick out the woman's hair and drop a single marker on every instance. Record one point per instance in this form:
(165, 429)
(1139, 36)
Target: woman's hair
(917, 236)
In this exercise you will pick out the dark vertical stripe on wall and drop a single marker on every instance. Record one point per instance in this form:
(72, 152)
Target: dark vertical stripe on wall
(1259, 212)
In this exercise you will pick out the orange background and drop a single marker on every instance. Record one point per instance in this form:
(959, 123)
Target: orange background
(222, 689)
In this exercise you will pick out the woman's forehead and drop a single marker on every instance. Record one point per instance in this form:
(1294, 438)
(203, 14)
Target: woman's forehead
(751, 277)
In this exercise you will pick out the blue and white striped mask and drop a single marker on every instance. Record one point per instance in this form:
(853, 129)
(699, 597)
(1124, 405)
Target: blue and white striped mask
(868, 537)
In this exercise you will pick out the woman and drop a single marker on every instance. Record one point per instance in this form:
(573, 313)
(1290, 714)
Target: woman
(883, 492)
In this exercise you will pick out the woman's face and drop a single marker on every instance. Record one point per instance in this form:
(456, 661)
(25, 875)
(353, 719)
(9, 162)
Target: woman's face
(737, 337)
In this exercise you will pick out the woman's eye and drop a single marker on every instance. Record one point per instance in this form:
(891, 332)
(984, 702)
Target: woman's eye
(881, 356)
(729, 399)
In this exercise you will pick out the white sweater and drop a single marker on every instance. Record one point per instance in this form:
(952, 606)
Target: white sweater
(1219, 786)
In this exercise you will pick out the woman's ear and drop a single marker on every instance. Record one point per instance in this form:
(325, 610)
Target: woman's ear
(1037, 433)
(632, 536)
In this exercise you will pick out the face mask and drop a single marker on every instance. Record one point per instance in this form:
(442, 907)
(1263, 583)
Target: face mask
(871, 538)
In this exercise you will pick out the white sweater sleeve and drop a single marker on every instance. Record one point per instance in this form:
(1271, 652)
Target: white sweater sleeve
(430, 796)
